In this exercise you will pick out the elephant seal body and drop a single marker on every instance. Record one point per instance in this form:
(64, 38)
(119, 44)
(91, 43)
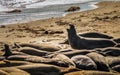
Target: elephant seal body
(114, 63)
(63, 60)
(78, 42)
(76, 52)
(44, 47)
(95, 35)
(84, 62)
(91, 73)
(40, 69)
(100, 61)
(32, 51)
(111, 51)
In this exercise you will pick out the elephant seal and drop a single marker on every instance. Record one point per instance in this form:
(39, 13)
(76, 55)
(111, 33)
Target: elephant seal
(40, 69)
(7, 51)
(12, 63)
(84, 62)
(117, 40)
(95, 35)
(84, 72)
(114, 63)
(44, 47)
(91, 35)
(63, 58)
(76, 52)
(100, 61)
(111, 51)
(116, 68)
(78, 42)
(12, 71)
(32, 51)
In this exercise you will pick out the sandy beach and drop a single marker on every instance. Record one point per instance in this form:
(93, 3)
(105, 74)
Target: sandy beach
(105, 19)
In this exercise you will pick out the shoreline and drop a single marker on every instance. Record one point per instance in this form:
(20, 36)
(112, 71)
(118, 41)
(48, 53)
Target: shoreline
(88, 6)
(87, 21)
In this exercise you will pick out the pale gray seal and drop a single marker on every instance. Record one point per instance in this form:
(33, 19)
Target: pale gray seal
(84, 62)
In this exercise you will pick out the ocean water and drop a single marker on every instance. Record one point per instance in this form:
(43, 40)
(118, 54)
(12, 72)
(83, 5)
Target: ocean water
(39, 9)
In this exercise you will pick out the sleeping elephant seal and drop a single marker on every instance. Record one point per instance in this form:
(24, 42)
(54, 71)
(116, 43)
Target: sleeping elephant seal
(76, 52)
(78, 42)
(40, 69)
(100, 61)
(111, 51)
(64, 59)
(84, 62)
(114, 63)
(32, 51)
(42, 46)
(84, 72)
(12, 71)
(116, 68)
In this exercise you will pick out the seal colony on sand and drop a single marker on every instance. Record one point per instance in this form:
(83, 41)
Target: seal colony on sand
(78, 42)
(88, 53)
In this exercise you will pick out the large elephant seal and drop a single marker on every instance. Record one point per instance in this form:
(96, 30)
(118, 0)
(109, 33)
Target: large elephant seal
(78, 42)
(92, 35)
(84, 62)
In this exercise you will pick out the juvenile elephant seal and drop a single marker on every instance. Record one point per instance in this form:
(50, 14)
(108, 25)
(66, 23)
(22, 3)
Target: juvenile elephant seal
(84, 62)
(78, 42)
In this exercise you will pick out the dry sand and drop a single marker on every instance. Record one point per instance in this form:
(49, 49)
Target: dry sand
(105, 19)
